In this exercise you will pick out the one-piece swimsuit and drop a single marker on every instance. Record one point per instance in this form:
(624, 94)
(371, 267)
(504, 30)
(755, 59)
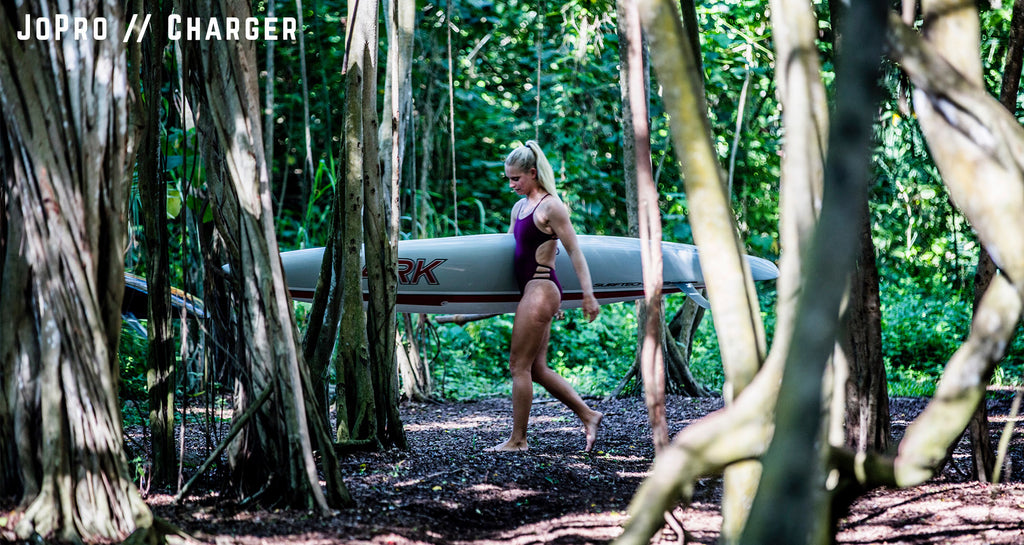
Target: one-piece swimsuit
(529, 237)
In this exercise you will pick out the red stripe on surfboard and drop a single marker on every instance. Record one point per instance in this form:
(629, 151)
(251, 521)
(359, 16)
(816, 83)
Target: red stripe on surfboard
(429, 299)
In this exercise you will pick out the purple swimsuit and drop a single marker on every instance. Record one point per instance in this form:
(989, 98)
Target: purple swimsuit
(529, 237)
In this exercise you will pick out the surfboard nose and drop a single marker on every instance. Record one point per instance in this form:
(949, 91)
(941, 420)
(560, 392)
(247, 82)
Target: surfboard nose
(762, 269)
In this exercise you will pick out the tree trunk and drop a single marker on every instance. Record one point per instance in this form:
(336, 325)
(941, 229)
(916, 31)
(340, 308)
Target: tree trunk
(736, 312)
(973, 138)
(734, 301)
(381, 252)
(381, 216)
(648, 217)
(10, 484)
(740, 431)
(308, 179)
(633, 57)
(794, 464)
(65, 170)
(983, 456)
(677, 344)
(431, 115)
(321, 333)
(400, 19)
(160, 376)
(953, 33)
(416, 381)
(678, 348)
(866, 419)
(275, 459)
(968, 38)
(632, 49)
(356, 401)
(860, 397)
(269, 88)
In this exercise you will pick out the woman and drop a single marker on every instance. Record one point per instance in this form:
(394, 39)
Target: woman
(539, 220)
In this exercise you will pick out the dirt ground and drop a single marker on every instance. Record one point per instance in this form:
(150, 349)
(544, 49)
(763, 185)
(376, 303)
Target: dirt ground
(446, 490)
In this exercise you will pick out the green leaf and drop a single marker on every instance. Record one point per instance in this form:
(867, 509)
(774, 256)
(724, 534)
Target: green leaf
(173, 202)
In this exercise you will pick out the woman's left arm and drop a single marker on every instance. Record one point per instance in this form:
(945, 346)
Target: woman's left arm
(558, 220)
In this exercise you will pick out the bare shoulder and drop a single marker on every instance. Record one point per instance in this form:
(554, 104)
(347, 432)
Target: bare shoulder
(552, 210)
(553, 214)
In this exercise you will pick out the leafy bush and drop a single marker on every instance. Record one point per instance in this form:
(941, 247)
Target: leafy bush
(706, 359)
(133, 355)
(921, 330)
(907, 382)
(472, 360)
(595, 356)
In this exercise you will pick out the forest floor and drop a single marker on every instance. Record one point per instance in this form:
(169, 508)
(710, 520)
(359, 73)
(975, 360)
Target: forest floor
(445, 489)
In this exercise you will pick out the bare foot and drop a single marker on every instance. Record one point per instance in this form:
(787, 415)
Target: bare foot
(510, 446)
(591, 426)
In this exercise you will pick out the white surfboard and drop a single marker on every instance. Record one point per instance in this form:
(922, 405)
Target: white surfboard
(474, 273)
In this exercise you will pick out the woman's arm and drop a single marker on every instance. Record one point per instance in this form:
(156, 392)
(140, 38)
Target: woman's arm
(514, 215)
(558, 219)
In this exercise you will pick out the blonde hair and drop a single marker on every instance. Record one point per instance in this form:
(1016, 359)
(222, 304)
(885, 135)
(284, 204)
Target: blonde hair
(528, 156)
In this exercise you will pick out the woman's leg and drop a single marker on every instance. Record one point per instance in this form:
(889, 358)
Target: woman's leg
(530, 331)
(561, 390)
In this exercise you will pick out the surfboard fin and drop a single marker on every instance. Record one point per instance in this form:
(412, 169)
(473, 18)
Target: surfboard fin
(692, 293)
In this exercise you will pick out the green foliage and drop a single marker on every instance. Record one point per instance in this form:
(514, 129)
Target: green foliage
(499, 48)
(706, 359)
(906, 382)
(995, 25)
(922, 328)
(313, 228)
(920, 331)
(737, 56)
(594, 356)
(918, 234)
(473, 359)
(133, 355)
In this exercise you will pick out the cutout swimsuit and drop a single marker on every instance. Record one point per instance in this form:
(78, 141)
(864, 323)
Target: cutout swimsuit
(529, 238)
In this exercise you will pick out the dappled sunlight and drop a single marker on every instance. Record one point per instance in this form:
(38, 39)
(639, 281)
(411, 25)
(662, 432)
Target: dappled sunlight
(964, 513)
(396, 539)
(1002, 418)
(489, 492)
(447, 490)
(466, 422)
(570, 528)
(701, 521)
(632, 474)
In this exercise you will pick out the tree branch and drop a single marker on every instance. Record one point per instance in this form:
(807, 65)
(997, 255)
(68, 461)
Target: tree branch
(972, 137)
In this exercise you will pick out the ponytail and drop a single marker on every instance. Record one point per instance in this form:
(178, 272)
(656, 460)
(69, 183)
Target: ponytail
(530, 156)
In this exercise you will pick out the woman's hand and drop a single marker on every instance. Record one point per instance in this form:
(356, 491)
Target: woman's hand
(590, 307)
